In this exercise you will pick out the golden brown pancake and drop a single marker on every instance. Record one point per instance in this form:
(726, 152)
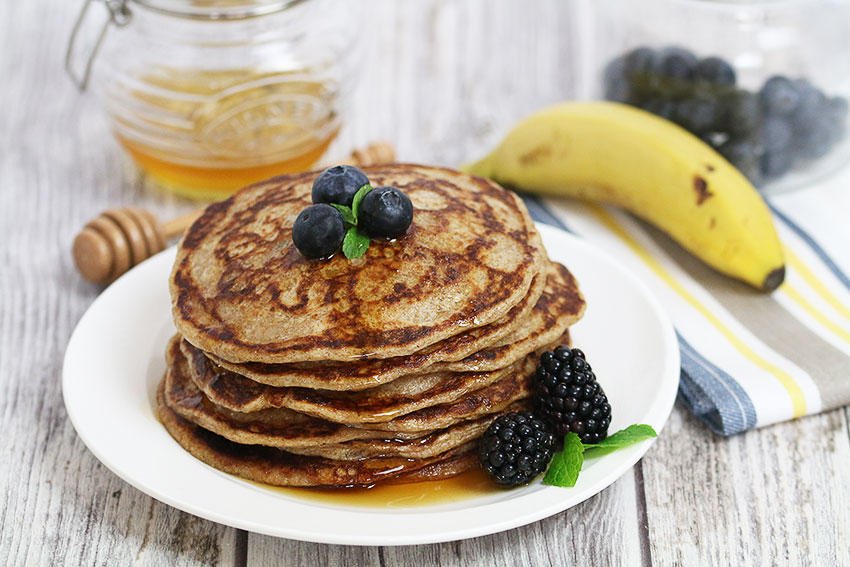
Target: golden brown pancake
(488, 400)
(274, 466)
(241, 291)
(559, 306)
(370, 372)
(375, 405)
(274, 428)
(288, 428)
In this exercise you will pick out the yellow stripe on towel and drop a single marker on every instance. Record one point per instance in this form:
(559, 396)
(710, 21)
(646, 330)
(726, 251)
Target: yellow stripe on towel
(795, 393)
(814, 282)
(797, 297)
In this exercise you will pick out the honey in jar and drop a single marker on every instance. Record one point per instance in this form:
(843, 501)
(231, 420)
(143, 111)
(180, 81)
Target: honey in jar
(209, 96)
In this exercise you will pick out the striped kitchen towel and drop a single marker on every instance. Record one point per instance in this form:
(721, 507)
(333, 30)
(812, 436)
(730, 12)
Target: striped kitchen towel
(749, 359)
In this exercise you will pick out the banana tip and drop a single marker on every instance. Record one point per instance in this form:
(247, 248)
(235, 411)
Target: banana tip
(774, 279)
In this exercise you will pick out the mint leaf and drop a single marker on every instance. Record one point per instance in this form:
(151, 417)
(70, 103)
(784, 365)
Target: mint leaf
(347, 215)
(355, 243)
(623, 438)
(355, 203)
(566, 464)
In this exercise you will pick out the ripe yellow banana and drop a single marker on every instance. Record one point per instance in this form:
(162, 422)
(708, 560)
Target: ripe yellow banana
(613, 153)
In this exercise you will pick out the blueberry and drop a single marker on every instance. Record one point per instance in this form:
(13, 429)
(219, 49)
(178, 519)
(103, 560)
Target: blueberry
(741, 113)
(715, 71)
(338, 184)
(675, 63)
(776, 134)
(318, 231)
(812, 103)
(837, 107)
(775, 164)
(660, 107)
(779, 96)
(836, 115)
(816, 140)
(744, 155)
(697, 115)
(615, 82)
(639, 60)
(385, 211)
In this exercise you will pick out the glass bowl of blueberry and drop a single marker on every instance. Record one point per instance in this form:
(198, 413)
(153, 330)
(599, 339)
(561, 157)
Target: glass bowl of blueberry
(766, 83)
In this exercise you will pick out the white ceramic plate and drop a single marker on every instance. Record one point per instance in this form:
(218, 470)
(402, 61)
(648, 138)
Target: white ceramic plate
(115, 359)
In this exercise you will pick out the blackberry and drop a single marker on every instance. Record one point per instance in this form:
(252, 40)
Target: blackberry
(569, 397)
(516, 448)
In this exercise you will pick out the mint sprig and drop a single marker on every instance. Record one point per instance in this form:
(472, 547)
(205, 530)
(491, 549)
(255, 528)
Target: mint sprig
(356, 242)
(566, 464)
(347, 214)
(358, 197)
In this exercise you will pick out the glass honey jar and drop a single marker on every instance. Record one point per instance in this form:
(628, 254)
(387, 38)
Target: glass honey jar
(210, 95)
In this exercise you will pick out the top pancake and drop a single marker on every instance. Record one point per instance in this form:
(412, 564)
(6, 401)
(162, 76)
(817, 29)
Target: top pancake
(241, 291)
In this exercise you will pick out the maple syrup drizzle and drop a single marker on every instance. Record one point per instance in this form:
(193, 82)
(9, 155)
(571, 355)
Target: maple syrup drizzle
(465, 486)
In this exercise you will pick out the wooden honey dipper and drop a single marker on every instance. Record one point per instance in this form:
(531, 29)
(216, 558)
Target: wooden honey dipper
(118, 239)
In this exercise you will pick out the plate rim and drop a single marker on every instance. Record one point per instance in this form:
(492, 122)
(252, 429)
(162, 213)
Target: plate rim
(661, 406)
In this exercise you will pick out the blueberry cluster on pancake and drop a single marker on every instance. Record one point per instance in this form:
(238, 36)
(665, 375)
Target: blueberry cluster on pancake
(341, 372)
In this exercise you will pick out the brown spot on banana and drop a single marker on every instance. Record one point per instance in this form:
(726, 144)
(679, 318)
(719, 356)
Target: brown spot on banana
(701, 188)
(534, 155)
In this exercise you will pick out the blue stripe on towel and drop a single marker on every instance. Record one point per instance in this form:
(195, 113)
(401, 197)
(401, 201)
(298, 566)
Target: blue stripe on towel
(540, 213)
(816, 248)
(712, 395)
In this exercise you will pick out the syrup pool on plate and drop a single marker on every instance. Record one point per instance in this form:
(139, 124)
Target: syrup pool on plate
(465, 486)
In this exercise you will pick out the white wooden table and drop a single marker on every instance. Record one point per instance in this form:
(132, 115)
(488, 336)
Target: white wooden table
(443, 80)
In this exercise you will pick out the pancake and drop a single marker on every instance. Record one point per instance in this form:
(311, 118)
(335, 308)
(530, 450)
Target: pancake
(559, 306)
(274, 428)
(274, 466)
(491, 399)
(440, 470)
(288, 428)
(430, 445)
(241, 291)
(368, 373)
(375, 405)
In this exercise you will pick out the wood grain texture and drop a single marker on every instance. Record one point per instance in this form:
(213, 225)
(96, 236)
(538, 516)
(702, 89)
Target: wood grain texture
(775, 496)
(443, 80)
(58, 167)
(569, 538)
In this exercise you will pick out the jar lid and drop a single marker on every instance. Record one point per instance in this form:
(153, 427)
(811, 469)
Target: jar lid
(217, 9)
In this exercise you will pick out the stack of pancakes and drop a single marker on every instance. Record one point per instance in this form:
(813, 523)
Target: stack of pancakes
(341, 372)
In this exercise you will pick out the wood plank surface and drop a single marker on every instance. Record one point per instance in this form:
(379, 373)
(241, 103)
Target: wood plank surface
(443, 80)
(775, 496)
(58, 167)
(604, 528)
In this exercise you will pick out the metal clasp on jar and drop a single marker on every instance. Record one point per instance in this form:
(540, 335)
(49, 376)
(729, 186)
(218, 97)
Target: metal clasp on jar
(119, 14)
